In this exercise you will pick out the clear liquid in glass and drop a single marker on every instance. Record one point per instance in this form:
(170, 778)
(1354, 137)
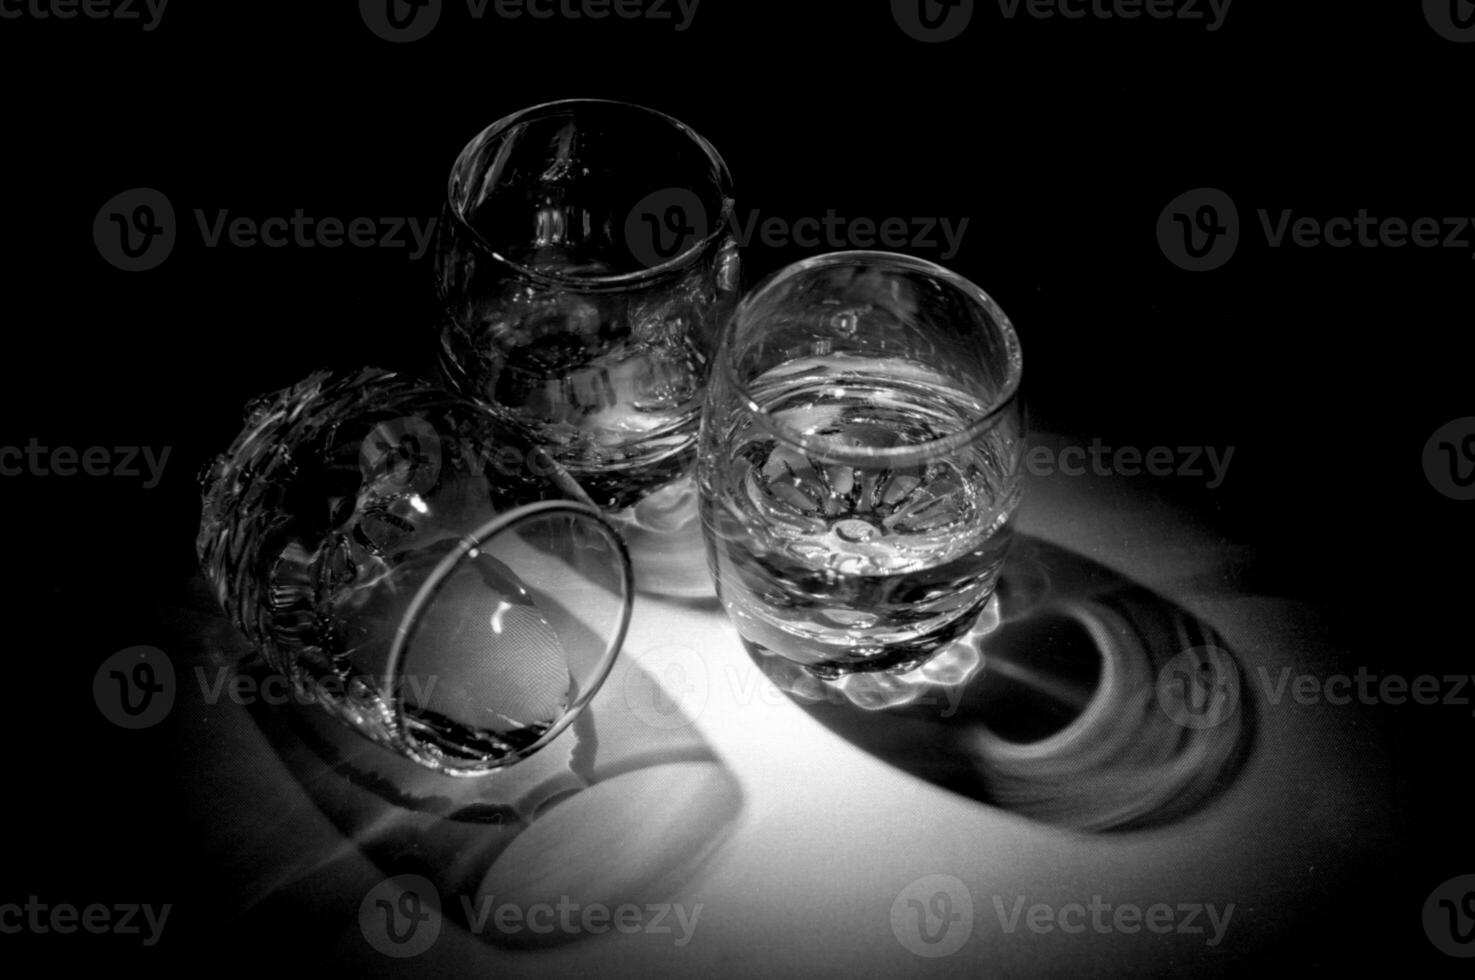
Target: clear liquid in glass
(840, 563)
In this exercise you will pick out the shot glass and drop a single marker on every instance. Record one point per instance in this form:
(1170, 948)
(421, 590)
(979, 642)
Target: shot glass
(585, 262)
(860, 462)
(412, 563)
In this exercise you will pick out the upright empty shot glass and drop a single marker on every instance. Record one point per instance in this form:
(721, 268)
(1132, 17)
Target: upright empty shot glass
(860, 461)
(585, 262)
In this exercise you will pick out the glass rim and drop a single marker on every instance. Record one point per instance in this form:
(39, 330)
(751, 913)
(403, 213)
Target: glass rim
(720, 229)
(825, 446)
(428, 594)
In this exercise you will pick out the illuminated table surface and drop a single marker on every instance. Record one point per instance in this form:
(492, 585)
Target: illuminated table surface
(760, 836)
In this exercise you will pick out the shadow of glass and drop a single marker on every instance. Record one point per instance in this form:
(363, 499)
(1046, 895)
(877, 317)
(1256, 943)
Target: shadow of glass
(1100, 705)
(609, 813)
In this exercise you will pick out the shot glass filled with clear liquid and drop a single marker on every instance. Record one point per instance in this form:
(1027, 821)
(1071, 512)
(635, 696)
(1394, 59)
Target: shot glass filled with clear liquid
(859, 462)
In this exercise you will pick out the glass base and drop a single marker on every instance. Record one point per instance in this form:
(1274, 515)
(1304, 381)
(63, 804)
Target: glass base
(953, 666)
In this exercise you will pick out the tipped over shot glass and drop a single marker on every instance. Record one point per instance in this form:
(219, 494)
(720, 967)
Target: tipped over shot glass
(415, 565)
(860, 463)
(585, 262)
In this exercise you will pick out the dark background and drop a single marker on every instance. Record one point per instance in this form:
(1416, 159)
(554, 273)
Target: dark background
(1062, 141)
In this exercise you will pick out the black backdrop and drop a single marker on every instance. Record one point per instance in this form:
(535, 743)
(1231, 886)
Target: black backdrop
(1061, 140)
